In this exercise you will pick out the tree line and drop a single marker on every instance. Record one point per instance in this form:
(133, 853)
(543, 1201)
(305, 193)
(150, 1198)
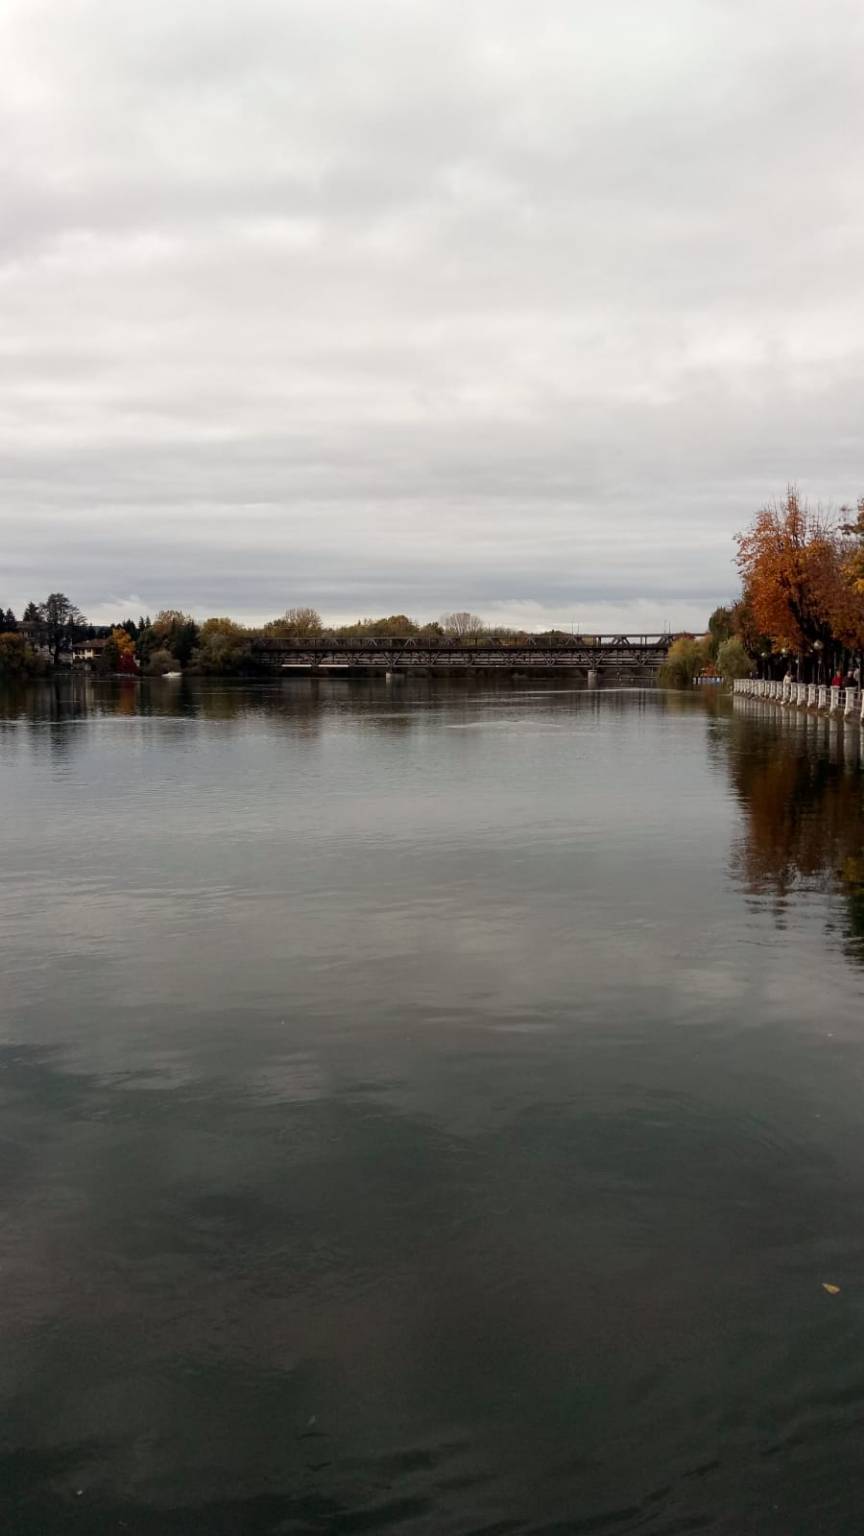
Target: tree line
(174, 641)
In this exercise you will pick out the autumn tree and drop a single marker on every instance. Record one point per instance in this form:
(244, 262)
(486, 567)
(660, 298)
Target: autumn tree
(296, 624)
(118, 653)
(792, 570)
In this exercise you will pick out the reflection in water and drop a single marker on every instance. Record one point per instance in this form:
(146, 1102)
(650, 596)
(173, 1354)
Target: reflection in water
(415, 1116)
(799, 782)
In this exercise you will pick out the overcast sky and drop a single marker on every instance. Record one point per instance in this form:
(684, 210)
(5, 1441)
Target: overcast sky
(416, 305)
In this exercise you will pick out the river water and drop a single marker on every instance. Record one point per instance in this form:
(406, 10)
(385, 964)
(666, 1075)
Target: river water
(430, 1108)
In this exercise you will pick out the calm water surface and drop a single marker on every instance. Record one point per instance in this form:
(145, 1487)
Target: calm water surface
(429, 1108)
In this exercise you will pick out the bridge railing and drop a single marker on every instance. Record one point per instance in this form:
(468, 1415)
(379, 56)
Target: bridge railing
(598, 645)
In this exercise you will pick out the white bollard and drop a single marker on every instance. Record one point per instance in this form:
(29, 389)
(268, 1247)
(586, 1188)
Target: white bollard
(851, 702)
(823, 696)
(811, 694)
(835, 700)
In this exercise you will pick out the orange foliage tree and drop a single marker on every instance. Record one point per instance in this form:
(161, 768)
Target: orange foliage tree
(794, 564)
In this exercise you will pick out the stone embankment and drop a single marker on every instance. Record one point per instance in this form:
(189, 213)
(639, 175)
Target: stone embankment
(841, 703)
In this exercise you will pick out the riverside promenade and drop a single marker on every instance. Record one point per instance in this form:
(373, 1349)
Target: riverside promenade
(839, 703)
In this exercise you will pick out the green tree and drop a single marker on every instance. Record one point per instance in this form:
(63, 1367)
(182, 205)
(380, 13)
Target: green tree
(160, 662)
(397, 625)
(732, 659)
(721, 626)
(175, 632)
(62, 621)
(145, 640)
(224, 648)
(17, 659)
(685, 660)
(854, 560)
(108, 660)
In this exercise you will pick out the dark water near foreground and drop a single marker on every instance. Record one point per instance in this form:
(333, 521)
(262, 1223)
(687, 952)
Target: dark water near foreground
(429, 1109)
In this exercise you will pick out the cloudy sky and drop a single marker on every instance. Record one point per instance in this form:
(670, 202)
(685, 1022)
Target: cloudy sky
(408, 304)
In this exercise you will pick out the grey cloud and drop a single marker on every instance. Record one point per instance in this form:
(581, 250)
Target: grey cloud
(406, 305)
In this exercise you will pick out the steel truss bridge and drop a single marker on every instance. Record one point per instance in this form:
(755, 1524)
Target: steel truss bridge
(610, 655)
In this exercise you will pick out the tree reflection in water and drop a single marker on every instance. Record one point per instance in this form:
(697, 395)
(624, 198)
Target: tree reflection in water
(799, 782)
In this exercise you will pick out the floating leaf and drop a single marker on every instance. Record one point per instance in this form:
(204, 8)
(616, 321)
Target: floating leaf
(833, 1290)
